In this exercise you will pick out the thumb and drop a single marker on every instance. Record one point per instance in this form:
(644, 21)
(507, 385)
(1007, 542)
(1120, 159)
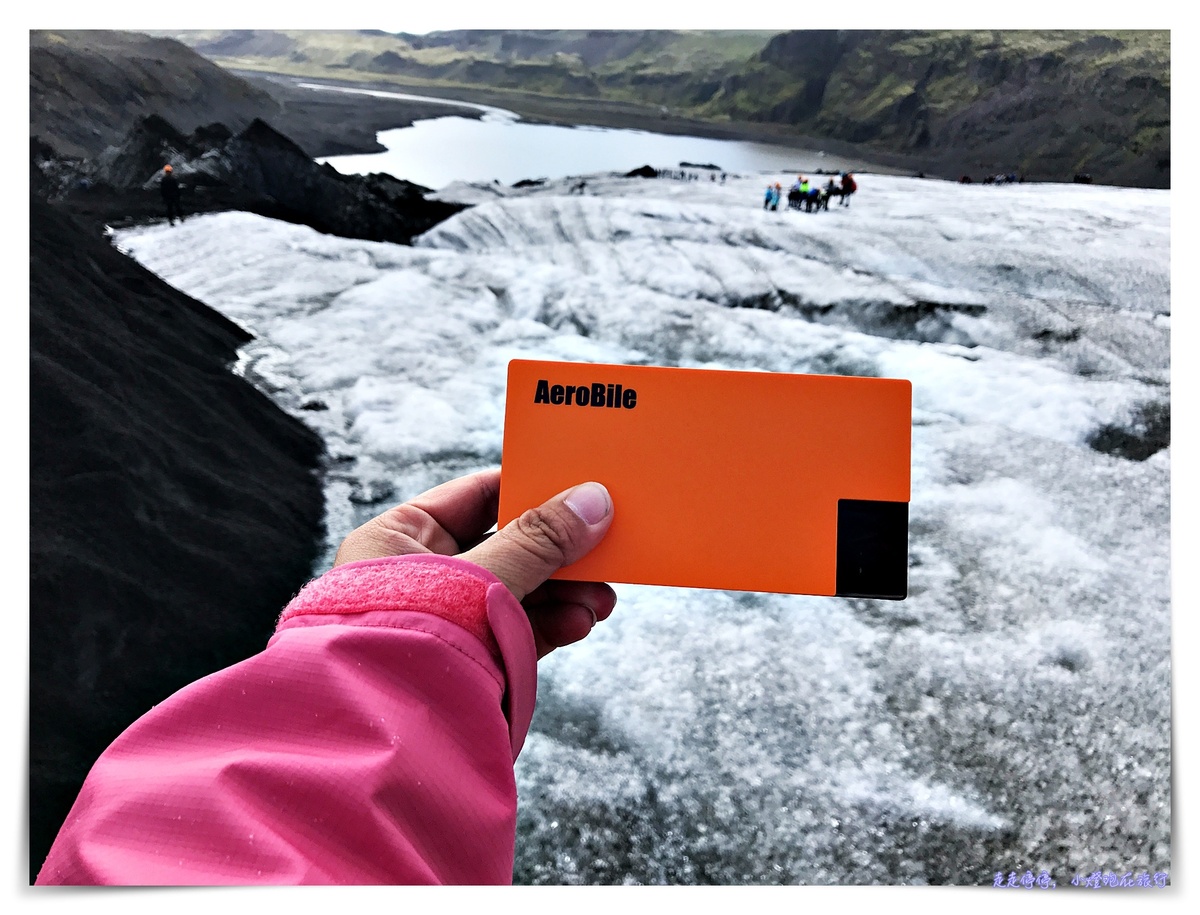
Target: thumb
(531, 548)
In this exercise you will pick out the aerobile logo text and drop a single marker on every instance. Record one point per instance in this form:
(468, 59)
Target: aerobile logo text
(583, 395)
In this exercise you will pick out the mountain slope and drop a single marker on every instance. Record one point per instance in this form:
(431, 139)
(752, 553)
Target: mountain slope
(1046, 103)
(87, 88)
(1049, 104)
(173, 508)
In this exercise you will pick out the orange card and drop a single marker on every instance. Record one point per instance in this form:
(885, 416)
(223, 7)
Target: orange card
(748, 481)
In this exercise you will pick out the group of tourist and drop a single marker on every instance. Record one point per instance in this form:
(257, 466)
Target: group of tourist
(808, 195)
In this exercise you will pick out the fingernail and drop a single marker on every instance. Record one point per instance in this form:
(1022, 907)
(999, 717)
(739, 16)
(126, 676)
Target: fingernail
(590, 502)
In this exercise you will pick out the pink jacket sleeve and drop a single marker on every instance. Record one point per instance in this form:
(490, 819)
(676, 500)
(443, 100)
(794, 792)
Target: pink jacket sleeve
(371, 742)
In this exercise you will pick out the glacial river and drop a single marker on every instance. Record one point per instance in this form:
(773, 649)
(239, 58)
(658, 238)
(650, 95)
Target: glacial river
(499, 146)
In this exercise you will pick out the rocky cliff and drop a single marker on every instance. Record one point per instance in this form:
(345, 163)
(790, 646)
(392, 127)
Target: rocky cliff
(174, 509)
(258, 170)
(88, 88)
(1045, 104)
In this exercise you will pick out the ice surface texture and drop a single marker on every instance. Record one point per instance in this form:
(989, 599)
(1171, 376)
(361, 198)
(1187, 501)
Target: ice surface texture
(1013, 713)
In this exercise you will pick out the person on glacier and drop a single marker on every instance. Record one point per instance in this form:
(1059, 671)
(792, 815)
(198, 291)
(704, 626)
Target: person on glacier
(795, 195)
(849, 186)
(373, 740)
(807, 194)
(169, 187)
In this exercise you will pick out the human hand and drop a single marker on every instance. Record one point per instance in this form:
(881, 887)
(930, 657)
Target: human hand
(452, 519)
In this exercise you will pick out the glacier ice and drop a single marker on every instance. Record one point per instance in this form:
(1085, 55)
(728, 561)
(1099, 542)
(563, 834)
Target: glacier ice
(1013, 713)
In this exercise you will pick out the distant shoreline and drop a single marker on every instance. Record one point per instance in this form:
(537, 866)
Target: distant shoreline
(535, 109)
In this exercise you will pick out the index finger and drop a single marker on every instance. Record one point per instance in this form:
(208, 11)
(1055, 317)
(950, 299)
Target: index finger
(464, 508)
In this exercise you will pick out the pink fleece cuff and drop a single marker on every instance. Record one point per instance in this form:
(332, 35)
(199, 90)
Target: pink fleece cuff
(386, 584)
(447, 587)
